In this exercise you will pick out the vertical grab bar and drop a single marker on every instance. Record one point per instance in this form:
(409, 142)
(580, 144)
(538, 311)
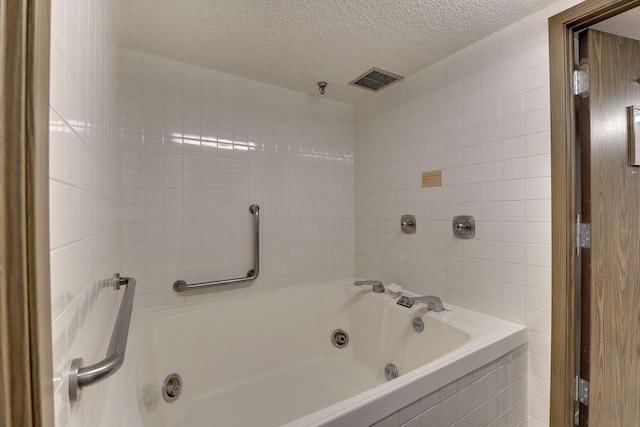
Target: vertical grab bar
(79, 376)
(181, 285)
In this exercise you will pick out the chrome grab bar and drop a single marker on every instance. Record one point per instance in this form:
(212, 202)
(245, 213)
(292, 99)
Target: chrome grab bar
(79, 376)
(181, 285)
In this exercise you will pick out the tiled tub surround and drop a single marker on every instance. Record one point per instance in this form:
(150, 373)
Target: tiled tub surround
(481, 116)
(85, 193)
(277, 366)
(492, 396)
(201, 146)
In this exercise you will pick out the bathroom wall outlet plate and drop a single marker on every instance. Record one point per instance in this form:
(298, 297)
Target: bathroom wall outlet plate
(464, 227)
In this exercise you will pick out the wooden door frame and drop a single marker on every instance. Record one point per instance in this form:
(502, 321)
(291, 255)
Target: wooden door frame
(26, 389)
(562, 28)
(26, 378)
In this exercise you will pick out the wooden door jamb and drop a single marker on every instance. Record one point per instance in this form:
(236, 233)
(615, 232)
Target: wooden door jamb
(562, 28)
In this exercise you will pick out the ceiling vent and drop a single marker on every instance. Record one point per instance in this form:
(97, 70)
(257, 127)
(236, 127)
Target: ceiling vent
(375, 79)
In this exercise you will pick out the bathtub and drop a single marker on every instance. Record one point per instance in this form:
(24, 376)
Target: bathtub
(270, 359)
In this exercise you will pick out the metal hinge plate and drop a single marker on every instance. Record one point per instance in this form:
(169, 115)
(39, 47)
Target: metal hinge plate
(583, 235)
(582, 391)
(581, 79)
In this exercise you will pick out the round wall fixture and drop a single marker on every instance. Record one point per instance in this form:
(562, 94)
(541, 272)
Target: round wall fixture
(464, 227)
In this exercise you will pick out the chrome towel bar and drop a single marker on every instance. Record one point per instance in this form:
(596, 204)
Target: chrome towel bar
(181, 285)
(79, 376)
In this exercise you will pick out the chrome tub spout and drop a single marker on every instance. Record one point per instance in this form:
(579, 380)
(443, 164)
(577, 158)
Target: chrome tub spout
(377, 285)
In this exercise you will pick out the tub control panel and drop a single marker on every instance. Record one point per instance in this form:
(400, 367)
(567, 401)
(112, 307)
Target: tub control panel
(405, 302)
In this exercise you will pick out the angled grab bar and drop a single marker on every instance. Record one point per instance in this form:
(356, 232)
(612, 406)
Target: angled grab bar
(181, 285)
(80, 376)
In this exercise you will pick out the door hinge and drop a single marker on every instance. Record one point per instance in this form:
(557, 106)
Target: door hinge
(581, 79)
(583, 235)
(582, 391)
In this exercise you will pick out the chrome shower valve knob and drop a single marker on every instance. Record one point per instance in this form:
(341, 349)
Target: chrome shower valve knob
(464, 227)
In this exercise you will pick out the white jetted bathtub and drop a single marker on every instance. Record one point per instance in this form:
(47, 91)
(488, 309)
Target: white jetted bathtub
(270, 359)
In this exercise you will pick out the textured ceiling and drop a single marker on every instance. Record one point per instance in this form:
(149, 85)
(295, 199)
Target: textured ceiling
(295, 43)
(626, 24)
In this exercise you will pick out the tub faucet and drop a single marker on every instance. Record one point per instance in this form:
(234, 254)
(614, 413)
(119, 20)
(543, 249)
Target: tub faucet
(433, 303)
(377, 285)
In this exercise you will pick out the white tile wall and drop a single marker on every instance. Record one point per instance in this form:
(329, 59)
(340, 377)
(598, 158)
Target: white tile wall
(200, 146)
(85, 192)
(482, 117)
(492, 396)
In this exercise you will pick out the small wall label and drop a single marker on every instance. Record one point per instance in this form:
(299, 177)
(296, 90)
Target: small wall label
(431, 179)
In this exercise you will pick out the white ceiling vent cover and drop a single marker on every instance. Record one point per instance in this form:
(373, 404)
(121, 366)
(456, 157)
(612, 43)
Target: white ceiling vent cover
(375, 79)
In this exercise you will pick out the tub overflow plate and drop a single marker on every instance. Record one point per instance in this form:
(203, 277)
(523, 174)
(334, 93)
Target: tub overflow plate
(418, 324)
